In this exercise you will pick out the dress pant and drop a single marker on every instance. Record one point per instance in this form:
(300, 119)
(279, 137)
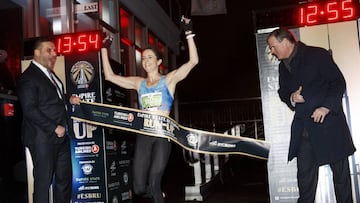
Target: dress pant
(52, 163)
(308, 170)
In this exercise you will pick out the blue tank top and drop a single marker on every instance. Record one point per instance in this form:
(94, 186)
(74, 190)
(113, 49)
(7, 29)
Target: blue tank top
(155, 98)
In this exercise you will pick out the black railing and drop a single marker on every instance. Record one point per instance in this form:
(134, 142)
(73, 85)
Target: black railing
(221, 115)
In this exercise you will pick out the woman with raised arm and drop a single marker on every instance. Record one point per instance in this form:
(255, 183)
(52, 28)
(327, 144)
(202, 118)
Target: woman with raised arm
(155, 93)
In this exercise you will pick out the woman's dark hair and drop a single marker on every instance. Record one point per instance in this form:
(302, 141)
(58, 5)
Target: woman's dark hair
(156, 52)
(282, 33)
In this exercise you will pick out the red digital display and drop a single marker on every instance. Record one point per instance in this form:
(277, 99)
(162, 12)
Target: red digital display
(327, 12)
(78, 42)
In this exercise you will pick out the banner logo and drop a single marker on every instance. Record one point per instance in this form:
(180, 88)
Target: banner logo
(192, 139)
(82, 74)
(87, 169)
(270, 57)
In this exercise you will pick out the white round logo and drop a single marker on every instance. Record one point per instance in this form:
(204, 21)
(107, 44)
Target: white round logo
(82, 73)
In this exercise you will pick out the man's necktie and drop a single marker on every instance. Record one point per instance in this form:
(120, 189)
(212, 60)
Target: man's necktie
(52, 77)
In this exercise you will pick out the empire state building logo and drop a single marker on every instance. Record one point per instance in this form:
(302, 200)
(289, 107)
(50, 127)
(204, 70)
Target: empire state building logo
(269, 57)
(82, 74)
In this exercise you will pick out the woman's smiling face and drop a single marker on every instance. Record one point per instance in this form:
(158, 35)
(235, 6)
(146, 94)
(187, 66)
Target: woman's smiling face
(149, 60)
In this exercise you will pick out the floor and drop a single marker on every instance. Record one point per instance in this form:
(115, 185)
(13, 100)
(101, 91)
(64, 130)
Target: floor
(242, 180)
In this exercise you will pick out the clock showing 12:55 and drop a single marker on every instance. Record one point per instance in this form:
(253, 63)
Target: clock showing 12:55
(322, 12)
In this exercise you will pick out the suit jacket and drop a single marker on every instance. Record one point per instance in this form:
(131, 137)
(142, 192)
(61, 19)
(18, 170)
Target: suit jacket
(42, 108)
(323, 85)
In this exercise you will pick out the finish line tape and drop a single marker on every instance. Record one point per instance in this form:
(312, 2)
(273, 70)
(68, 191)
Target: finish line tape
(158, 125)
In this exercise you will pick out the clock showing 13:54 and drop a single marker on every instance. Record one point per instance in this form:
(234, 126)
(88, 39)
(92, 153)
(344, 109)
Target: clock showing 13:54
(71, 43)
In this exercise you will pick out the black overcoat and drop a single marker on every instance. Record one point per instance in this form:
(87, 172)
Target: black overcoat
(323, 85)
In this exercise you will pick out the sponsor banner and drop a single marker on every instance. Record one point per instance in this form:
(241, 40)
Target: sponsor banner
(119, 144)
(87, 141)
(158, 125)
(117, 165)
(277, 119)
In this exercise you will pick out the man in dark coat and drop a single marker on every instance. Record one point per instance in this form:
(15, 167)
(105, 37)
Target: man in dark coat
(312, 85)
(44, 125)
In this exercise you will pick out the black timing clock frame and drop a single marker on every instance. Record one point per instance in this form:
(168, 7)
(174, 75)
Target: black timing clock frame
(307, 14)
(77, 43)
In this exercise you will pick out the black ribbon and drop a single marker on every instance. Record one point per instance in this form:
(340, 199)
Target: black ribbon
(158, 125)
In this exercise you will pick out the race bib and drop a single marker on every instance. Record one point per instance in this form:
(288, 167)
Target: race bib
(151, 100)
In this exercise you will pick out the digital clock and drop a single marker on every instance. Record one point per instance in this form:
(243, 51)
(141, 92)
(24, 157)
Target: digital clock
(71, 43)
(327, 12)
(307, 14)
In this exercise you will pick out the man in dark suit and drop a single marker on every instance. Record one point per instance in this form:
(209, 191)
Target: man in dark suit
(311, 83)
(44, 125)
